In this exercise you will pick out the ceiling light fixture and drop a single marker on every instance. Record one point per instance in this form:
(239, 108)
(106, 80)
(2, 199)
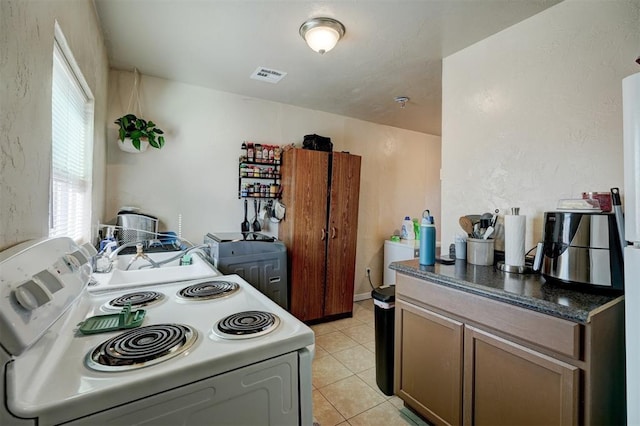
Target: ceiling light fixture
(322, 34)
(402, 100)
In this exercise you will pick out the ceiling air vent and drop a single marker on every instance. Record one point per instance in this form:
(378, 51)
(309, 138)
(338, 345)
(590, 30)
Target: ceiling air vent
(268, 75)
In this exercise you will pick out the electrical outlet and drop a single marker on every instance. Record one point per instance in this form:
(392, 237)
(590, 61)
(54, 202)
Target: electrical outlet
(368, 271)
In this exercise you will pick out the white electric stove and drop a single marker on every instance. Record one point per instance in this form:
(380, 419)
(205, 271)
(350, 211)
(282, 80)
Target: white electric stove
(207, 351)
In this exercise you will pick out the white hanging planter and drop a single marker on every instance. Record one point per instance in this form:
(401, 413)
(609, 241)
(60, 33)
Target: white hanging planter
(127, 146)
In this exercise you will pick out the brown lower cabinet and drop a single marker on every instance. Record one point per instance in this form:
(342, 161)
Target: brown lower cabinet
(466, 359)
(430, 380)
(506, 383)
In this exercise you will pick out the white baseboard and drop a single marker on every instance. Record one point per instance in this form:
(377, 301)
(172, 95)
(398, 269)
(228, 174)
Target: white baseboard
(361, 296)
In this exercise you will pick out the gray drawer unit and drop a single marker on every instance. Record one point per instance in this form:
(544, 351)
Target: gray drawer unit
(259, 259)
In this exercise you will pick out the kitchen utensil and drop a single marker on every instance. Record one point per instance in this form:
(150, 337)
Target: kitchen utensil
(245, 226)
(474, 218)
(120, 321)
(256, 222)
(494, 219)
(279, 209)
(270, 211)
(476, 231)
(537, 260)
(487, 233)
(466, 224)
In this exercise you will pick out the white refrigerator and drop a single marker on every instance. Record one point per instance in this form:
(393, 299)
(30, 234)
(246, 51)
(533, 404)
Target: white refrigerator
(631, 120)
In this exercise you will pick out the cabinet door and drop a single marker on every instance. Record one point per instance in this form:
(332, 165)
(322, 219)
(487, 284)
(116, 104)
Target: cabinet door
(428, 369)
(343, 229)
(305, 191)
(508, 384)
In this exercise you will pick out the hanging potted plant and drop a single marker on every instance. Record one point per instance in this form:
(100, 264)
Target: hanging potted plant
(136, 134)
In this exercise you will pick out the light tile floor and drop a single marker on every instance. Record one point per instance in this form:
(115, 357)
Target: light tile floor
(344, 374)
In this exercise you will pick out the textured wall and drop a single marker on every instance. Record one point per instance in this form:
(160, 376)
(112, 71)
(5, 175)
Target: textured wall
(533, 114)
(196, 174)
(26, 55)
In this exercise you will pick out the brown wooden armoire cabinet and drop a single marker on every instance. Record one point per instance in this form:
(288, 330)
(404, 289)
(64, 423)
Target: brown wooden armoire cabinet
(320, 191)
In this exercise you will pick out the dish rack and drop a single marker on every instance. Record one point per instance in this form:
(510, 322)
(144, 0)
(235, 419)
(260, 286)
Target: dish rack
(134, 227)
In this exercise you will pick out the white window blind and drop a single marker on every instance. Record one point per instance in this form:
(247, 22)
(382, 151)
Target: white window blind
(72, 140)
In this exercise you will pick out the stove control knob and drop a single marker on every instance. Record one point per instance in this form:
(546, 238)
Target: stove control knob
(32, 295)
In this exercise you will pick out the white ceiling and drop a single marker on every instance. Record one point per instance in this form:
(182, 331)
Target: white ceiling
(391, 48)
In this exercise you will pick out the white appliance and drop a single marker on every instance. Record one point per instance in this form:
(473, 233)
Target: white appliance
(395, 251)
(226, 353)
(631, 119)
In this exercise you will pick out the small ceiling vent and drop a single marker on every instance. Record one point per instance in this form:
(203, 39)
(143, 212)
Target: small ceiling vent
(268, 75)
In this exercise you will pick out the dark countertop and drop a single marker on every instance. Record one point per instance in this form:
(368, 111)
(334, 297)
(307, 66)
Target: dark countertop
(529, 291)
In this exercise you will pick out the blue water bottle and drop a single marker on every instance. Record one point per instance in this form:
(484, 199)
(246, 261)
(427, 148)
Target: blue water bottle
(427, 240)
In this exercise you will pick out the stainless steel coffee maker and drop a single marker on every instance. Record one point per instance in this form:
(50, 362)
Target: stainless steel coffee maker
(582, 249)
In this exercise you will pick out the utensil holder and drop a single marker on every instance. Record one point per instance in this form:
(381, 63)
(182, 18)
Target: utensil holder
(479, 251)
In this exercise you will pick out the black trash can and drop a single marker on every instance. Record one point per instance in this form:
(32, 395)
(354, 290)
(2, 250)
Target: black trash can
(384, 311)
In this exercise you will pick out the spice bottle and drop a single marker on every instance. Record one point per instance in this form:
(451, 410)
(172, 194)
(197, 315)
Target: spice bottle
(249, 151)
(276, 154)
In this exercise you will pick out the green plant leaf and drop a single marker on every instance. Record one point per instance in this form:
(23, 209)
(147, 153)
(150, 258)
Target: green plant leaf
(137, 128)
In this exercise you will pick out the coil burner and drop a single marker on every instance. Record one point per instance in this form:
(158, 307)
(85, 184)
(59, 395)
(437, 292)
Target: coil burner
(209, 290)
(246, 325)
(138, 299)
(142, 347)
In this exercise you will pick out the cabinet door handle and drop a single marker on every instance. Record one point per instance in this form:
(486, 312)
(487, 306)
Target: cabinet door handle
(324, 235)
(333, 232)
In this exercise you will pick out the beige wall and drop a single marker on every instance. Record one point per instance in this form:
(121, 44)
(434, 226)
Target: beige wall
(533, 114)
(26, 57)
(196, 174)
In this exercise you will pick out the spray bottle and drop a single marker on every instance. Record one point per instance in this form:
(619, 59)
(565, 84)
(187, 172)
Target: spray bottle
(427, 240)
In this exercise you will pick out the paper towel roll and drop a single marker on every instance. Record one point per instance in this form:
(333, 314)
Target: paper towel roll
(514, 233)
